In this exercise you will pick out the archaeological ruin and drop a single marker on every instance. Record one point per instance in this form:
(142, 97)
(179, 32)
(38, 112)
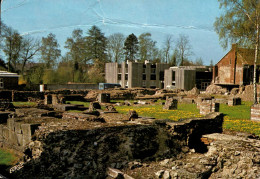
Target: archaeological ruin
(56, 139)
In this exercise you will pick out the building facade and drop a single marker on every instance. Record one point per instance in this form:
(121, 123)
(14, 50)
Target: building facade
(188, 77)
(8, 80)
(235, 68)
(136, 74)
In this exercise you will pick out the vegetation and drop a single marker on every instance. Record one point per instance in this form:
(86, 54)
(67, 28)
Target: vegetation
(21, 104)
(6, 157)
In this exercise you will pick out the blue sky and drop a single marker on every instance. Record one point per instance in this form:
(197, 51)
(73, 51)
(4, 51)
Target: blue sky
(194, 18)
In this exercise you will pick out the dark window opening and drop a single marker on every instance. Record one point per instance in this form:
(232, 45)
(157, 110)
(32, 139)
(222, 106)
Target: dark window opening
(153, 77)
(144, 77)
(119, 76)
(161, 77)
(126, 76)
(173, 75)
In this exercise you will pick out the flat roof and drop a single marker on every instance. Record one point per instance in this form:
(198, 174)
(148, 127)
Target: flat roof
(8, 74)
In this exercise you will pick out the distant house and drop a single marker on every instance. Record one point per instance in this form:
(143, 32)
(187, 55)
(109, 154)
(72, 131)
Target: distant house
(8, 80)
(188, 77)
(136, 74)
(235, 68)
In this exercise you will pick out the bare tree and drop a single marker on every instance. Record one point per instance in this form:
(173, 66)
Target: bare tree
(183, 47)
(30, 47)
(167, 47)
(115, 47)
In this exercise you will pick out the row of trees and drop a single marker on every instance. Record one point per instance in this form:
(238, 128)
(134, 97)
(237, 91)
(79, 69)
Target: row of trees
(86, 54)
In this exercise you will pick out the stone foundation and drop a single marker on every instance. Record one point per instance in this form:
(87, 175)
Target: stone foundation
(61, 151)
(103, 98)
(208, 106)
(234, 101)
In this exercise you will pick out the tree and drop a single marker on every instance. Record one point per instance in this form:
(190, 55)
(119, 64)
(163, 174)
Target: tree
(30, 47)
(77, 51)
(12, 47)
(131, 47)
(167, 47)
(96, 45)
(115, 47)
(211, 63)
(183, 47)
(198, 61)
(174, 58)
(50, 51)
(147, 48)
(240, 24)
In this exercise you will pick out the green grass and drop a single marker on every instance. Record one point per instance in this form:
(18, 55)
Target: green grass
(21, 104)
(237, 118)
(86, 104)
(156, 111)
(7, 158)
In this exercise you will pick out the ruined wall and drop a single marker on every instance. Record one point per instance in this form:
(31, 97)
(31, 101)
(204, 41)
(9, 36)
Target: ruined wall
(87, 153)
(70, 86)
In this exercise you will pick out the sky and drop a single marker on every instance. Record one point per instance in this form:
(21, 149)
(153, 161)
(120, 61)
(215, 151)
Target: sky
(194, 18)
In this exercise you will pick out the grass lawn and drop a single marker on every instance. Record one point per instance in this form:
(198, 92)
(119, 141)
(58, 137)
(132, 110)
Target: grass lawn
(237, 118)
(6, 157)
(21, 104)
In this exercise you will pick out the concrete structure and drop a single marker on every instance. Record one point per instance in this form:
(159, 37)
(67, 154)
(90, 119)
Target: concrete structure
(187, 77)
(235, 68)
(8, 80)
(135, 74)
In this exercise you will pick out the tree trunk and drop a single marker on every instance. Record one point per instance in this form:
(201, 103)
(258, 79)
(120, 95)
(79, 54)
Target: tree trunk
(255, 63)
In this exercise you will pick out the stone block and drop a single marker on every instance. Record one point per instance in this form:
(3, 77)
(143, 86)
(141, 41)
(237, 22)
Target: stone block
(170, 104)
(208, 106)
(55, 99)
(12, 138)
(10, 123)
(29, 129)
(17, 128)
(5, 133)
(47, 99)
(19, 139)
(103, 98)
(26, 139)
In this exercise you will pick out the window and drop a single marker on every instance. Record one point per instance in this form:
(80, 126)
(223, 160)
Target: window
(153, 70)
(1, 83)
(161, 77)
(153, 77)
(143, 70)
(119, 77)
(144, 76)
(126, 76)
(173, 75)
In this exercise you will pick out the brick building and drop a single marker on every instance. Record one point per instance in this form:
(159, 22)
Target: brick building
(8, 80)
(188, 77)
(235, 68)
(136, 74)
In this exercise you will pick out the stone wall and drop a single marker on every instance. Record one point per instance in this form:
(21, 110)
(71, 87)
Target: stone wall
(60, 151)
